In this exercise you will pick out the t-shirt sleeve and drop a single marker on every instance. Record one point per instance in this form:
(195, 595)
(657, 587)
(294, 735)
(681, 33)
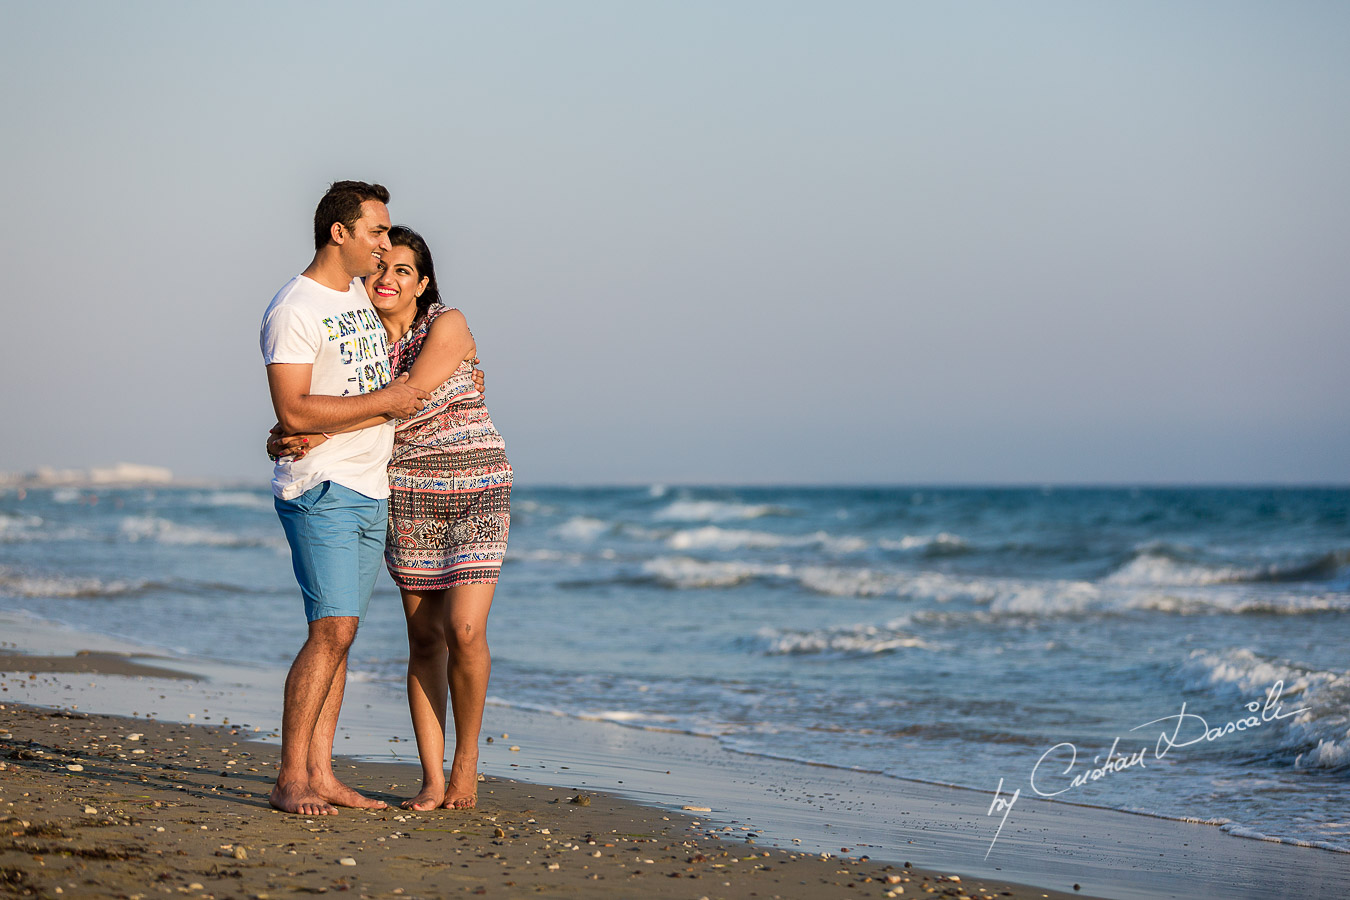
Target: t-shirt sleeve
(289, 336)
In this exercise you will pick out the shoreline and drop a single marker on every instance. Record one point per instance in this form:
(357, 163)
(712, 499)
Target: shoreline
(89, 800)
(942, 830)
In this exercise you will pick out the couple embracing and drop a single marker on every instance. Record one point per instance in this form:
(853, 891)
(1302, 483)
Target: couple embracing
(385, 457)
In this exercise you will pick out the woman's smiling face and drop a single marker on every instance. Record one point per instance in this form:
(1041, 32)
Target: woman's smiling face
(396, 285)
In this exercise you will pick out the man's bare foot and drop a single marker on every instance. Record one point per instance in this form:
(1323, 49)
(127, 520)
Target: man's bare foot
(462, 792)
(430, 797)
(338, 794)
(299, 799)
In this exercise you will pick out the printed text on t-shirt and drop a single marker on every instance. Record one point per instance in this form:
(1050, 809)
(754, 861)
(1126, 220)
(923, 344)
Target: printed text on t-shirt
(361, 344)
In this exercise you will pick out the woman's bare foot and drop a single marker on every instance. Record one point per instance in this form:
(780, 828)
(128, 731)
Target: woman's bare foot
(299, 799)
(338, 794)
(462, 792)
(429, 798)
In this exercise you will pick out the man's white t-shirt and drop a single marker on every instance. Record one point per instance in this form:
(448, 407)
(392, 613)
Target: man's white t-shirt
(339, 334)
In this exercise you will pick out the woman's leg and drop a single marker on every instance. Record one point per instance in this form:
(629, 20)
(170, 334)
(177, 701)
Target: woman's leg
(427, 661)
(470, 664)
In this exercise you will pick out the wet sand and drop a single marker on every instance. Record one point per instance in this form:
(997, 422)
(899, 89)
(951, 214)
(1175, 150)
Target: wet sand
(206, 784)
(108, 806)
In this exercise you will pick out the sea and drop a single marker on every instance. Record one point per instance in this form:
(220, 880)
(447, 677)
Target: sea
(1179, 652)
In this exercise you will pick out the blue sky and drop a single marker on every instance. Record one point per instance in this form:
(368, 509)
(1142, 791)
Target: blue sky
(709, 242)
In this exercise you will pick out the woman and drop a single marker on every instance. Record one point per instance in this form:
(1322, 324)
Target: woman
(449, 516)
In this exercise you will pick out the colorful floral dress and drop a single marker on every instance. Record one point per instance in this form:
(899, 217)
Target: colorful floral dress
(449, 481)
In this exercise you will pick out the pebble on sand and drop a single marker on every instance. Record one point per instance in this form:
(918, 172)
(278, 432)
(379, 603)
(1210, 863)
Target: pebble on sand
(75, 768)
(346, 861)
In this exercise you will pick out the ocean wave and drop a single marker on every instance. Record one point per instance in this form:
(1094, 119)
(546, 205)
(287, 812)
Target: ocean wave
(546, 554)
(841, 581)
(712, 537)
(850, 640)
(1058, 598)
(18, 527)
(21, 529)
(685, 572)
(1235, 603)
(941, 544)
(582, 528)
(717, 511)
(1159, 567)
(1243, 831)
(65, 586)
(244, 499)
(627, 717)
(1318, 737)
(165, 531)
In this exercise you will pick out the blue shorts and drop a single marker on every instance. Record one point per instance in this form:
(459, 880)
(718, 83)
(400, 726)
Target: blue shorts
(337, 547)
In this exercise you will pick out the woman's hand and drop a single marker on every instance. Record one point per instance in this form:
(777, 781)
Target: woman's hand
(295, 446)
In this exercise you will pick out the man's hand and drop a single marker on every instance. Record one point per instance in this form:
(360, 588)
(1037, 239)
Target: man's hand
(478, 380)
(402, 399)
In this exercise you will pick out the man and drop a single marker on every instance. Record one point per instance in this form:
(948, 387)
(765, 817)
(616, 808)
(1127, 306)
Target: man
(328, 371)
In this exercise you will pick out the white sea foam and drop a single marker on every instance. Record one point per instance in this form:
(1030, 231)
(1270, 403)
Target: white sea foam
(843, 581)
(684, 572)
(713, 537)
(20, 585)
(846, 639)
(941, 541)
(165, 531)
(545, 554)
(582, 528)
(1055, 598)
(243, 499)
(715, 511)
(1321, 734)
(1150, 569)
(1242, 831)
(1234, 602)
(626, 717)
(18, 528)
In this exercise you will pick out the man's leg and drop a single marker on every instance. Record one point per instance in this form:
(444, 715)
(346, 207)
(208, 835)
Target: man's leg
(309, 690)
(329, 529)
(372, 519)
(320, 762)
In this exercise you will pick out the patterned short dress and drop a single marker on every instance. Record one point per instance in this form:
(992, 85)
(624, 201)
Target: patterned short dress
(449, 482)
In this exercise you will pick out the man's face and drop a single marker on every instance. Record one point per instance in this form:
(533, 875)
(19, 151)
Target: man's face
(363, 245)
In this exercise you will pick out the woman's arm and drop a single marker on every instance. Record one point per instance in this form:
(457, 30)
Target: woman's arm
(297, 445)
(448, 344)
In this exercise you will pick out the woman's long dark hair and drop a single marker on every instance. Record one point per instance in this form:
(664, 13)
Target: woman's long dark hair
(403, 236)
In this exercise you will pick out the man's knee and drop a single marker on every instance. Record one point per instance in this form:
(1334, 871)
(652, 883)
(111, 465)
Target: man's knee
(336, 632)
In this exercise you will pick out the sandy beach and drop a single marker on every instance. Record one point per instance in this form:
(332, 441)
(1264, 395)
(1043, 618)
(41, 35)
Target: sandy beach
(109, 806)
(98, 805)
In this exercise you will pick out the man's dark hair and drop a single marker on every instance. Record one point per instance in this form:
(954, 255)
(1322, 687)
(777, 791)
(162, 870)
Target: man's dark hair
(342, 204)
